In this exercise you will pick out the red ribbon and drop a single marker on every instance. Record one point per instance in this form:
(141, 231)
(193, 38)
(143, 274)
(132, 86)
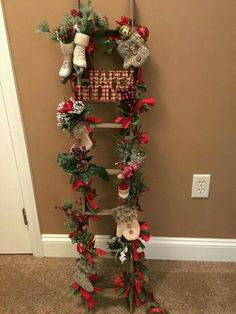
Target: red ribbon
(139, 77)
(126, 292)
(91, 202)
(137, 301)
(90, 196)
(80, 248)
(77, 184)
(88, 297)
(90, 259)
(119, 281)
(143, 138)
(145, 237)
(144, 226)
(90, 48)
(119, 119)
(137, 285)
(123, 20)
(144, 101)
(157, 310)
(100, 252)
(125, 121)
(137, 108)
(91, 120)
(140, 275)
(134, 247)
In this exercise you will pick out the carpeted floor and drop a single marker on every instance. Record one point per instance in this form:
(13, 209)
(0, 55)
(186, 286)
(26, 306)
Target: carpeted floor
(40, 286)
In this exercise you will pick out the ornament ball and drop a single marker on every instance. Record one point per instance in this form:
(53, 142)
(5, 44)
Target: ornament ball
(143, 32)
(125, 31)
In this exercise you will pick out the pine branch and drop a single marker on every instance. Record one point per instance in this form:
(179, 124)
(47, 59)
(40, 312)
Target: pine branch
(43, 27)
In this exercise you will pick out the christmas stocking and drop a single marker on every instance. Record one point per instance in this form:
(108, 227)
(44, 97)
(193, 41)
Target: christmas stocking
(66, 68)
(133, 51)
(81, 42)
(81, 135)
(82, 274)
(127, 223)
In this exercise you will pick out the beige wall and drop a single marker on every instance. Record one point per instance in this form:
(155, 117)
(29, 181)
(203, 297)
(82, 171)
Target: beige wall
(191, 74)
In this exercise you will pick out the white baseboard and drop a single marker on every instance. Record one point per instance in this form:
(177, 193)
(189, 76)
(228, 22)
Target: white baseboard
(167, 248)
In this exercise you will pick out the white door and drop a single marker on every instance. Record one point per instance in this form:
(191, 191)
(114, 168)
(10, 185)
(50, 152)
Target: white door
(14, 234)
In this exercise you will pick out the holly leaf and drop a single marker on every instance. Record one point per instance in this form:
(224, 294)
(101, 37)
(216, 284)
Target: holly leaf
(67, 162)
(100, 171)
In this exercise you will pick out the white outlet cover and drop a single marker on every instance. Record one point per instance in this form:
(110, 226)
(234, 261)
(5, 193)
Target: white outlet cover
(201, 185)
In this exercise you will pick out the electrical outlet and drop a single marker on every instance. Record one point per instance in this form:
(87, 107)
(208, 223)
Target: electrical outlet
(201, 185)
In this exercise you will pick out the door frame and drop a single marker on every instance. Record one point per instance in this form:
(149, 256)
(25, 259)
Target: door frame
(12, 106)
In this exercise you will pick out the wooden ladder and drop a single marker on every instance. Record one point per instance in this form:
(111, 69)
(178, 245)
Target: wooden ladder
(110, 292)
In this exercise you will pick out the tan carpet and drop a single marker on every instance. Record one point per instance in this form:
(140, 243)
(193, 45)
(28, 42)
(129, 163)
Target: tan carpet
(40, 285)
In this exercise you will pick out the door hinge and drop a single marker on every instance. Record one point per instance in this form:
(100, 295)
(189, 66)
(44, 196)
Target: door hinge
(24, 217)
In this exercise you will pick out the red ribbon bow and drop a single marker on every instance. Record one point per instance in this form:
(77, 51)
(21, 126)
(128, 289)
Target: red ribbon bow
(137, 108)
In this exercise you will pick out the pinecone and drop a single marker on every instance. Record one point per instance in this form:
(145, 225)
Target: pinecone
(82, 165)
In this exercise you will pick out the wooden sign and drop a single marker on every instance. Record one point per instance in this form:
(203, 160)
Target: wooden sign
(103, 86)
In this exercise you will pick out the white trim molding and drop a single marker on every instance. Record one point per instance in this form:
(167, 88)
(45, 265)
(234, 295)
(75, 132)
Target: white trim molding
(11, 100)
(165, 248)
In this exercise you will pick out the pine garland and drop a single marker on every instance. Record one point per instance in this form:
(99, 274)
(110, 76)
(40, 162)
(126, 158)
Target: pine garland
(73, 116)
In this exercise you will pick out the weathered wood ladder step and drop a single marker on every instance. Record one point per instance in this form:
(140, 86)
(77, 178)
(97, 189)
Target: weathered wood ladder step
(109, 292)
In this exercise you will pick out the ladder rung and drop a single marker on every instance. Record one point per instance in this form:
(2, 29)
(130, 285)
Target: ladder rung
(108, 126)
(113, 172)
(102, 212)
(109, 253)
(109, 293)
